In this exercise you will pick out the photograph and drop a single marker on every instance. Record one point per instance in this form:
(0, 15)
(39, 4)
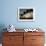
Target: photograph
(26, 14)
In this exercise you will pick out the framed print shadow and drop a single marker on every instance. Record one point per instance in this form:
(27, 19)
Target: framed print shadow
(26, 14)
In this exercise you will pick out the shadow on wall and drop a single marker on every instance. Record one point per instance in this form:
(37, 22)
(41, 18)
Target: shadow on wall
(2, 26)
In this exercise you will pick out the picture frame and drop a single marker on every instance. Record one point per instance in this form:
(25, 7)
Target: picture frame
(26, 14)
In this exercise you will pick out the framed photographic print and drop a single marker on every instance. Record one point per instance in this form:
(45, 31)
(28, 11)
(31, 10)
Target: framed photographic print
(26, 14)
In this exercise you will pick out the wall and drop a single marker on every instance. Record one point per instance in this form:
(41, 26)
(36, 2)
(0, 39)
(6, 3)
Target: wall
(9, 13)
